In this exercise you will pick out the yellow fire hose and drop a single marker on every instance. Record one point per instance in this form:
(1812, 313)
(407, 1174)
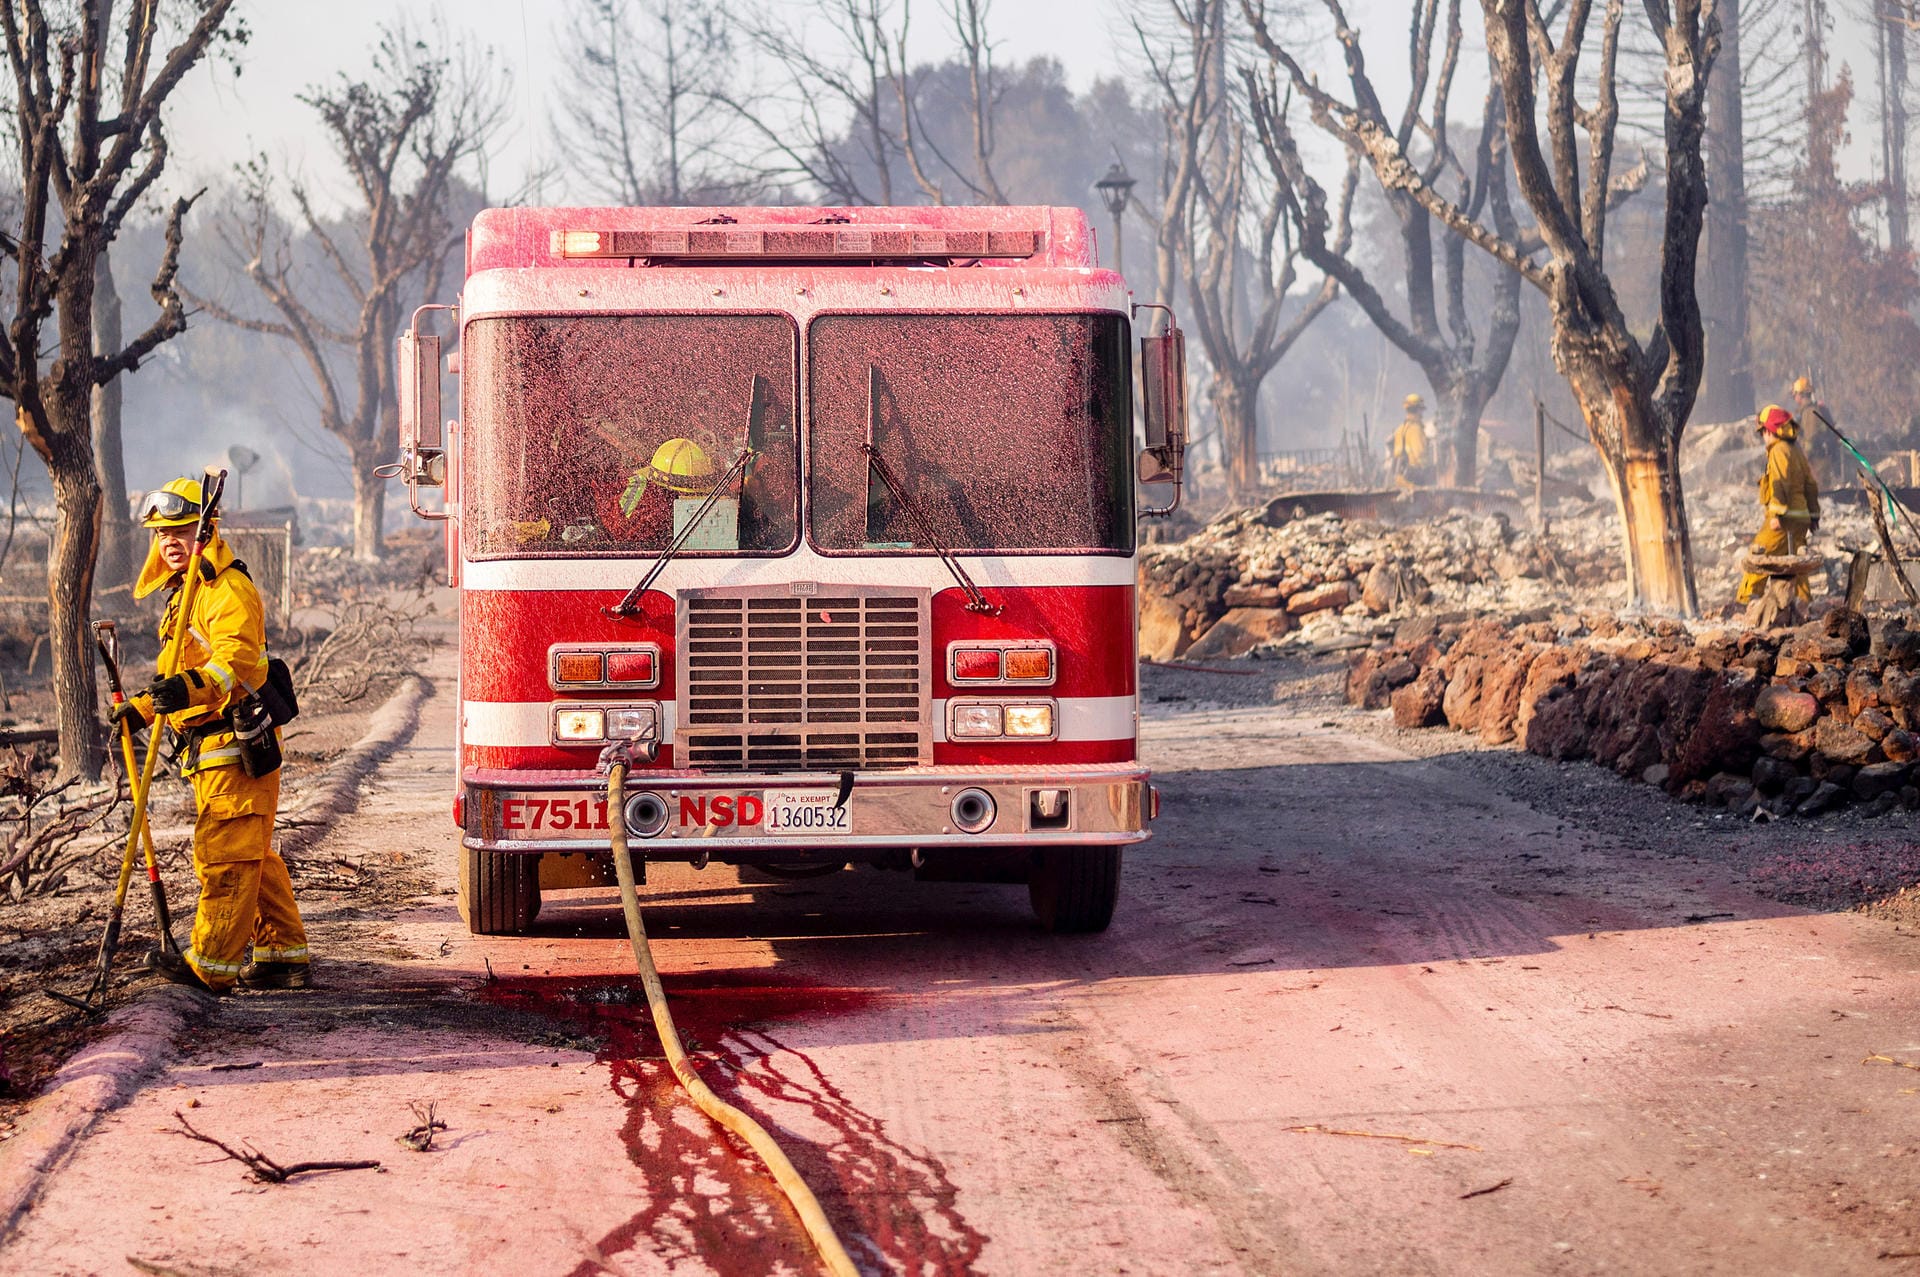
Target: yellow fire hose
(832, 1254)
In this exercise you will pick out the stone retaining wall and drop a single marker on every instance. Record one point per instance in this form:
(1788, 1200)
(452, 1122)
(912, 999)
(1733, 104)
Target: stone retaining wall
(1792, 721)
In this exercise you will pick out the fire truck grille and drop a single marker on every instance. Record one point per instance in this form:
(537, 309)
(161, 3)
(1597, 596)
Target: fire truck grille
(775, 681)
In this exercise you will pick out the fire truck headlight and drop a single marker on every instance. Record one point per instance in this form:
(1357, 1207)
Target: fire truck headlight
(577, 725)
(975, 720)
(633, 722)
(1030, 720)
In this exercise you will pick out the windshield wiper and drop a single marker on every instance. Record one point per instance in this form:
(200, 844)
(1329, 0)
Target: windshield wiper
(976, 601)
(755, 408)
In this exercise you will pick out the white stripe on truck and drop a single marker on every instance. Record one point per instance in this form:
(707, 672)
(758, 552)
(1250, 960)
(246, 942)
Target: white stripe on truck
(527, 724)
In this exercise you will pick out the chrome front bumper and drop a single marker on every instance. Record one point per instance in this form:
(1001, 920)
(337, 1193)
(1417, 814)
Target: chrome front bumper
(914, 809)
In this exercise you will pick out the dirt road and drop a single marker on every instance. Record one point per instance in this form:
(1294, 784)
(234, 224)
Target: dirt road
(1357, 1014)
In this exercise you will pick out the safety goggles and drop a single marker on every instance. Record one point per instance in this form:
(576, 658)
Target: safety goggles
(167, 505)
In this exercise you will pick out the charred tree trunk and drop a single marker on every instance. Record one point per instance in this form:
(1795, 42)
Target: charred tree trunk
(1727, 392)
(70, 564)
(1461, 400)
(1641, 453)
(1237, 405)
(119, 555)
(1892, 34)
(369, 503)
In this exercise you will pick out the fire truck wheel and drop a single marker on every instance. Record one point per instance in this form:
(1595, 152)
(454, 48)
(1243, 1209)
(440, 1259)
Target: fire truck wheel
(499, 892)
(1074, 889)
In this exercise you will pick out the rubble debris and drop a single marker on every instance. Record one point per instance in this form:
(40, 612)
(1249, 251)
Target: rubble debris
(1309, 579)
(1341, 564)
(1799, 721)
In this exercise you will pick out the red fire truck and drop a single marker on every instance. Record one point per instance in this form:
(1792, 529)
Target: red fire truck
(829, 514)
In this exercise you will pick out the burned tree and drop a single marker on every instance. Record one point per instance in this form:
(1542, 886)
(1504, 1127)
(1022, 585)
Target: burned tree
(119, 555)
(403, 134)
(1634, 392)
(823, 120)
(644, 116)
(89, 84)
(1463, 371)
(1225, 236)
(1727, 391)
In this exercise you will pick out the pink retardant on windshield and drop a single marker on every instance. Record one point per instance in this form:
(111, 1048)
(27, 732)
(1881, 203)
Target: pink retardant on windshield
(603, 434)
(1007, 432)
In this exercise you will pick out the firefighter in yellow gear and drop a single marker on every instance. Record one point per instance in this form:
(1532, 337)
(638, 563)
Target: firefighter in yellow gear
(1789, 497)
(1409, 454)
(246, 897)
(1827, 457)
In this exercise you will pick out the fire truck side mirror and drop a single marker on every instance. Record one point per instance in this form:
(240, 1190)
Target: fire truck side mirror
(1163, 381)
(1163, 377)
(419, 378)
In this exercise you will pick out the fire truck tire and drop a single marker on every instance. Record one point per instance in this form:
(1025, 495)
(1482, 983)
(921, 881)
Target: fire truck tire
(1074, 889)
(500, 892)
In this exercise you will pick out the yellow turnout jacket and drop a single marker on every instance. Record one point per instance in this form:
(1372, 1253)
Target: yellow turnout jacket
(223, 652)
(1788, 489)
(1409, 446)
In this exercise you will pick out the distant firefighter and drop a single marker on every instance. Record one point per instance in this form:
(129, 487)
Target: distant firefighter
(1828, 457)
(1789, 498)
(1410, 453)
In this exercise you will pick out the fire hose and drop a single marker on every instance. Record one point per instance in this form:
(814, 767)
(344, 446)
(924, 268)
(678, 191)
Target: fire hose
(832, 1254)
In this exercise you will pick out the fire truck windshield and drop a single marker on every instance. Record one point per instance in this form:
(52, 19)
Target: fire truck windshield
(1007, 432)
(604, 434)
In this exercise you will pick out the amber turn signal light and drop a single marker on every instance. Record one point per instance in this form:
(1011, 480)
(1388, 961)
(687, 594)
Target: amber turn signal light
(1029, 662)
(578, 667)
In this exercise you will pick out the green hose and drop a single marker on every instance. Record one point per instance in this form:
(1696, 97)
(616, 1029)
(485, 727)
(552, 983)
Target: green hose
(832, 1254)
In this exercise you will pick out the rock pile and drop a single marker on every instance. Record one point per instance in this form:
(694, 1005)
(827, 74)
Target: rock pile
(1795, 721)
(1252, 577)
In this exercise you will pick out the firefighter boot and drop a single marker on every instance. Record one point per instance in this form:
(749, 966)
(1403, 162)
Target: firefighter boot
(169, 965)
(260, 974)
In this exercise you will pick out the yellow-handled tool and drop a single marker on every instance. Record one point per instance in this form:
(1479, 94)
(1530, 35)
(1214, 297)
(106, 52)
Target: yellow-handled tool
(137, 830)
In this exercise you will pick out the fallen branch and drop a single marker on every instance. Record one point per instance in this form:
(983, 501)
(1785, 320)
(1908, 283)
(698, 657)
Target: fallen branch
(1888, 1059)
(420, 1138)
(1316, 1129)
(161, 1270)
(264, 1168)
(1491, 1188)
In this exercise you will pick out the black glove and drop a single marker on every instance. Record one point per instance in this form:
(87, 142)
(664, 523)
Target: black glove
(1814, 525)
(129, 713)
(169, 694)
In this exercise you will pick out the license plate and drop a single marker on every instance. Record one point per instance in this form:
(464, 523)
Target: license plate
(796, 812)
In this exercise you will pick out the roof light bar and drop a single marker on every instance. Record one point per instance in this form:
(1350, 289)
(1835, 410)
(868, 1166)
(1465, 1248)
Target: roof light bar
(811, 243)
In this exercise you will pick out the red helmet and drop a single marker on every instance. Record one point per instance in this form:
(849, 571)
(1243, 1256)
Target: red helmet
(1774, 419)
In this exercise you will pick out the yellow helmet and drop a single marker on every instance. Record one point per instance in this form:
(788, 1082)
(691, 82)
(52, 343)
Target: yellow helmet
(176, 505)
(1415, 401)
(1803, 386)
(678, 465)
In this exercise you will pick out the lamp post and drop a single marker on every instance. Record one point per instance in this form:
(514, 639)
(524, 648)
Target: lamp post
(1114, 189)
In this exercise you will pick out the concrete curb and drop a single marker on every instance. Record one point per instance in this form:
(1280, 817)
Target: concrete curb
(106, 1074)
(93, 1083)
(339, 789)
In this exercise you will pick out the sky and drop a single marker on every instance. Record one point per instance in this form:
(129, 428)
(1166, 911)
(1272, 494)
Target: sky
(219, 117)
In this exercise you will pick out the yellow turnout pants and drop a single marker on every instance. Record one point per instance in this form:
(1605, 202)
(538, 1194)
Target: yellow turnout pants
(1789, 538)
(245, 894)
